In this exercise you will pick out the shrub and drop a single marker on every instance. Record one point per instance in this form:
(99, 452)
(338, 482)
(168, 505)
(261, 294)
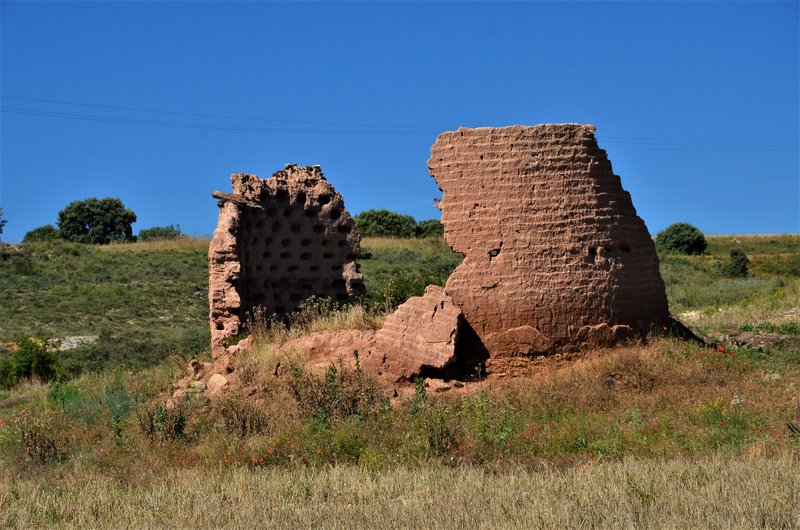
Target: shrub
(341, 392)
(737, 266)
(42, 233)
(32, 358)
(33, 436)
(96, 221)
(160, 424)
(160, 232)
(383, 223)
(430, 228)
(682, 238)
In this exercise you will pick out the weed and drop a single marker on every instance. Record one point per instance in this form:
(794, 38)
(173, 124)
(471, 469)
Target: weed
(161, 424)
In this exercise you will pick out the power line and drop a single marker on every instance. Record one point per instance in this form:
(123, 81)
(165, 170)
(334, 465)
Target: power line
(218, 116)
(198, 126)
(629, 143)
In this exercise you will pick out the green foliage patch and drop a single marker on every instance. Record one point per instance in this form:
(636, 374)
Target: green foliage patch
(96, 221)
(158, 233)
(682, 238)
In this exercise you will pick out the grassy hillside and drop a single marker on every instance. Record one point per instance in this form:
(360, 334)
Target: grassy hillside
(670, 434)
(145, 301)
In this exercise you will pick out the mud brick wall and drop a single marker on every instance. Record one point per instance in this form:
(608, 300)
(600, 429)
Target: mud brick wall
(279, 241)
(555, 257)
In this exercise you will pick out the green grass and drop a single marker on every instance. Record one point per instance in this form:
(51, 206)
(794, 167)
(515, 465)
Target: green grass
(145, 301)
(141, 305)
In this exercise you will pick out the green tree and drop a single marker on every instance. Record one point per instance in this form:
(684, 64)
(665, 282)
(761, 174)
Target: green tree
(429, 228)
(96, 221)
(738, 265)
(42, 233)
(682, 238)
(2, 222)
(383, 223)
(160, 232)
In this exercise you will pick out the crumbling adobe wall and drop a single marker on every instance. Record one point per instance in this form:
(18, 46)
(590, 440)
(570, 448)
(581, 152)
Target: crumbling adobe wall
(277, 242)
(555, 257)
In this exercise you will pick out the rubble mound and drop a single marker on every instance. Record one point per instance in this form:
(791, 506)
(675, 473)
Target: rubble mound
(555, 258)
(277, 242)
(422, 337)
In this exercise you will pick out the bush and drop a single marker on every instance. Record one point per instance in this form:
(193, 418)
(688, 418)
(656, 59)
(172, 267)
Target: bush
(160, 232)
(96, 221)
(383, 223)
(430, 228)
(32, 358)
(43, 233)
(682, 238)
(737, 266)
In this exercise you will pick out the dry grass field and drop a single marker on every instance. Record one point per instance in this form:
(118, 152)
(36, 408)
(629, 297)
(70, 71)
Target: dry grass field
(714, 493)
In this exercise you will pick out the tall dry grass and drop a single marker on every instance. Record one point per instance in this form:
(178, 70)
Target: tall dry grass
(181, 243)
(715, 493)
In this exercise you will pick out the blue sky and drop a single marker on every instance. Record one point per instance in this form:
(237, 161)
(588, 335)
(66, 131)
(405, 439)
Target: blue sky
(696, 103)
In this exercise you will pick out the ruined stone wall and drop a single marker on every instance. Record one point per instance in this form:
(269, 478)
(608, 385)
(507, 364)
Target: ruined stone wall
(279, 241)
(555, 257)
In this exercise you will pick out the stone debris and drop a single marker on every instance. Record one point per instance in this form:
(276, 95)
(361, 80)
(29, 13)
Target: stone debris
(216, 383)
(422, 337)
(73, 342)
(421, 333)
(278, 241)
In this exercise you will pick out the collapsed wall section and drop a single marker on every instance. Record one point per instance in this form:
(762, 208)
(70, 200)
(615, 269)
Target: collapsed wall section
(555, 257)
(279, 241)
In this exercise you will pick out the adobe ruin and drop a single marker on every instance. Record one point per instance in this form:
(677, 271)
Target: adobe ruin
(555, 257)
(277, 242)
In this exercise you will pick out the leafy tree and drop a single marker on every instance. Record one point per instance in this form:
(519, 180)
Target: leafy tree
(96, 221)
(383, 223)
(737, 266)
(682, 238)
(430, 228)
(160, 232)
(2, 222)
(42, 233)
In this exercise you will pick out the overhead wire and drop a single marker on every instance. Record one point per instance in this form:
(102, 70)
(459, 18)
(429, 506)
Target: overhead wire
(616, 142)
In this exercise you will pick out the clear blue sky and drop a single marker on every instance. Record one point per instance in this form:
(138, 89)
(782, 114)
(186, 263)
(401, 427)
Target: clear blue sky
(696, 103)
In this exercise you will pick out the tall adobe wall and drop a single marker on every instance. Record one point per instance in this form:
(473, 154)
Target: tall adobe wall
(279, 241)
(555, 257)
